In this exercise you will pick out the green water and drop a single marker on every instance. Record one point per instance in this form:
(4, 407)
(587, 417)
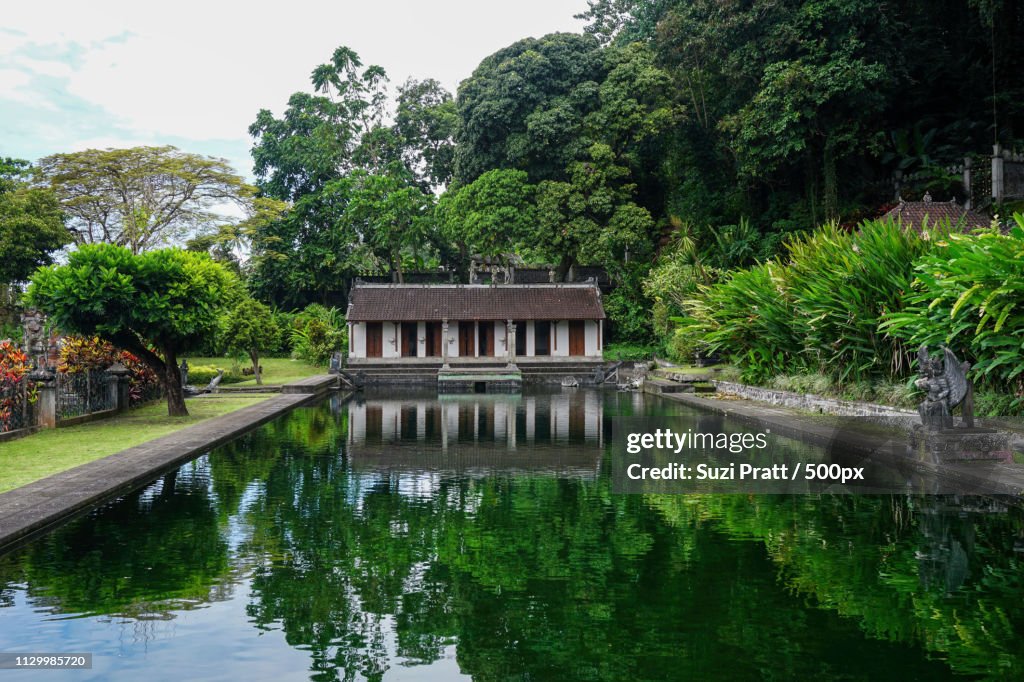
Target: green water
(478, 537)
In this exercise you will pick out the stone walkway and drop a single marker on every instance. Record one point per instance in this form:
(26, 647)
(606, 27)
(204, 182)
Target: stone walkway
(38, 505)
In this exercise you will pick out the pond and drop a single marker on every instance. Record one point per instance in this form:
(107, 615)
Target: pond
(477, 537)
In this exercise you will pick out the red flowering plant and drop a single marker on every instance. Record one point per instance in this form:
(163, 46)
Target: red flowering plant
(83, 353)
(14, 383)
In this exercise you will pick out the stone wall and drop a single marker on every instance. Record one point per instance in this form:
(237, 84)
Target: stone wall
(813, 403)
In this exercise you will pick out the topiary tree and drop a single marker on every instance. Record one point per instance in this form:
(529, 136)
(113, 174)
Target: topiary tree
(156, 304)
(250, 327)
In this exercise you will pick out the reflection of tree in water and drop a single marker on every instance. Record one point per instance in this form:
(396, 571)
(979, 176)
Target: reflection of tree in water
(930, 571)
(539, 577)
(144, 557)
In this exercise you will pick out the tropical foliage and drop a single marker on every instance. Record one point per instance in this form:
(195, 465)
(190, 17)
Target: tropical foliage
(14, 383)
(249, 328)
(969, 295)
(166, 299)
(81, 354)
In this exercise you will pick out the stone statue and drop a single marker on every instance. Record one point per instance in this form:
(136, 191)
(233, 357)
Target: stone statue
(34, 325)
(946, 386)
(183, 369)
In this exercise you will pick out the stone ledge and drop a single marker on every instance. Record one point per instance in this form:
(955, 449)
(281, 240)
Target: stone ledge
(808, 401)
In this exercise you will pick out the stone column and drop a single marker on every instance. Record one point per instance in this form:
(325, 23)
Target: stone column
(510, 342)
(118, 377)
(967, 182)
(444, 343)
(46, 406)
(997, 174)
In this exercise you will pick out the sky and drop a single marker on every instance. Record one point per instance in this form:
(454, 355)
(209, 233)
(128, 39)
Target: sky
(78, 75)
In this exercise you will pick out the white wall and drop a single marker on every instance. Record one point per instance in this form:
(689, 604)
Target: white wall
(421, 339)
(453, 335)
(590, 346)
(531, 346)
(500, 346)
(391, 347)
(357, 340)
(560, 330)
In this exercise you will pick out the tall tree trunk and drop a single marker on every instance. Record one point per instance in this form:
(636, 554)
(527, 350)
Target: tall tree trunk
(256, 372)
(172, 385)
(563, 267)
(165, 367)
(396, 259)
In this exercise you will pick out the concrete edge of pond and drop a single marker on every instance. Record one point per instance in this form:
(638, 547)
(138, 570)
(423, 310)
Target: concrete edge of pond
(792, 423)
(40, 505)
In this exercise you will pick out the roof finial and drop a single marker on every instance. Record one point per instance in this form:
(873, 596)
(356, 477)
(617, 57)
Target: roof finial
(927, 197)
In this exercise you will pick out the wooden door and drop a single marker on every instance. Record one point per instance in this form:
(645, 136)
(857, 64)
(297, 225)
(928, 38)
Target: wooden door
(433, 340)
(409, 339)
(542, 337)
(374, 340)
(467, 339)
(487, 339)
(577, 338)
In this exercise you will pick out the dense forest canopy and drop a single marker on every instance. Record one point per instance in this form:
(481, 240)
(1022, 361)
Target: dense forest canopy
(730, 122)
(693, 136)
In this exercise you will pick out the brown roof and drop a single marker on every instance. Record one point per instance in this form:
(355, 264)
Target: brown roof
(411, 302)
(913, 214)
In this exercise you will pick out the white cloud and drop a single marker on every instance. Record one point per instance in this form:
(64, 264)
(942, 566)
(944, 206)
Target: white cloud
(201, 69)
(12, 79)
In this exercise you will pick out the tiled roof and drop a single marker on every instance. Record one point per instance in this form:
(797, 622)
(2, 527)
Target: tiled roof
(913, 213)
(408, 303)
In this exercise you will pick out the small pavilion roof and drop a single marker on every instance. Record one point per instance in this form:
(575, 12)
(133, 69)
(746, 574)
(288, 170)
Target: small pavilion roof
(436, 302)
(914, 214)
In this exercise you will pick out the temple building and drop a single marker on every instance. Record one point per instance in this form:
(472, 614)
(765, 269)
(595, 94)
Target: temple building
(443, 326)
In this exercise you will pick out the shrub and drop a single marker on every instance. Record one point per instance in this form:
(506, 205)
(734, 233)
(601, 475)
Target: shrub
(200, 375)
(819, 311)
(681, 347)
(969, 295)
(83, 353)
(14, 369)
(629, 352)
(749, 318)
(842, 285)
(317, 332)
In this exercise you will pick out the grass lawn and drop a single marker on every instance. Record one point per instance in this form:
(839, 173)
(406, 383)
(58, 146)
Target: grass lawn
(276, 371)
(54, 450)
(686, 369)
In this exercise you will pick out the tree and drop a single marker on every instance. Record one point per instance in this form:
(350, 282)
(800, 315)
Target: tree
(493, 215)
(142, 197)
(391, 214)
(312, 144)
(426, 122)
(155, 305)
(31, 225)
(523, 107)
(250, 328)
(592, 218)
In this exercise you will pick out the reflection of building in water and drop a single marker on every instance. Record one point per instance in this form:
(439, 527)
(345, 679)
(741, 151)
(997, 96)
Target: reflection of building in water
(467, 431)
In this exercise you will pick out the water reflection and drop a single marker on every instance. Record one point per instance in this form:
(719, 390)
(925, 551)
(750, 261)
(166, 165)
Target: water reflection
(475, 435)
(333, 544)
